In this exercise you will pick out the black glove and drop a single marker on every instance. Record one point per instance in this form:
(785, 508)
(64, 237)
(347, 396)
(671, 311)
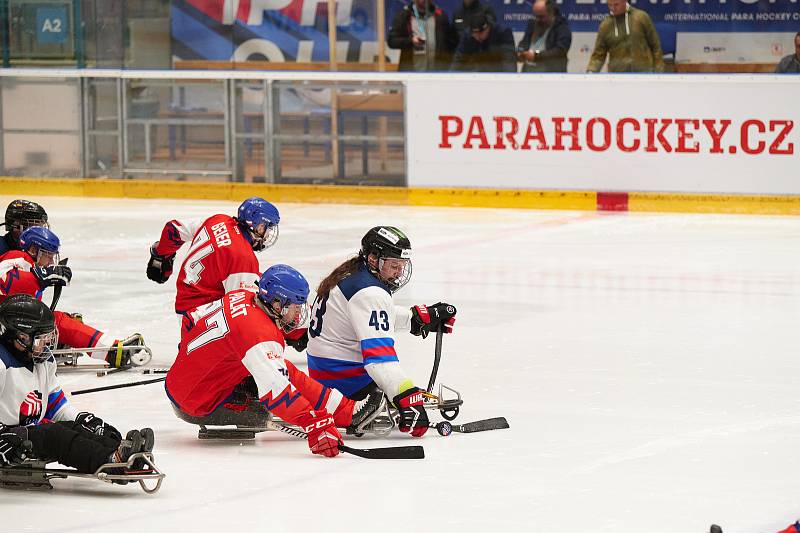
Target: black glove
(427, 318)
(53, 276)
(159, 268)
(13, 448)
(95, 425)
(298, 344)
(411, 407)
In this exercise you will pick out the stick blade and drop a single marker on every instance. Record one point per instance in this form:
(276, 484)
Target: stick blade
(391, 452)
(483, 425)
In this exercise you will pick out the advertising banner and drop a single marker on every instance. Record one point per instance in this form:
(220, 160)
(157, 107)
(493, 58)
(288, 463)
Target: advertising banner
(630, 133)
(296, 30)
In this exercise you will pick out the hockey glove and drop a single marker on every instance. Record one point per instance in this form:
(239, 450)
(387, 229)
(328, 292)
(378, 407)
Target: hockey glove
(323, 437)
(159, 268)
(95, 425)
(13, 449)
(413, 417)
(53, 276)
(300, 340)
(427, 318)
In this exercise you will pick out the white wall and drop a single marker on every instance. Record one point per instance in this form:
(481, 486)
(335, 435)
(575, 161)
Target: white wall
(727, 134)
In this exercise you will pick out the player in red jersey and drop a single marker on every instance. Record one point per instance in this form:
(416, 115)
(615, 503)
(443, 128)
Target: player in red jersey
(33, 268)
(230, 368)
(221, 256)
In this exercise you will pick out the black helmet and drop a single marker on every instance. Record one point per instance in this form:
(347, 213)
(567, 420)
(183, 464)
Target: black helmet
(387, 242)
(27, 327)
(25, 213)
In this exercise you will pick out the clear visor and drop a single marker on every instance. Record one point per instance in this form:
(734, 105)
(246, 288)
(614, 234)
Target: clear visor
(264, 236)
(293, 316)
(40, 346)
(394, 272)
(44, 258)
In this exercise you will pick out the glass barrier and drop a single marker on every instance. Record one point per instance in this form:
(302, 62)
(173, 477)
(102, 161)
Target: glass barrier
(406, 35)
(217, 129)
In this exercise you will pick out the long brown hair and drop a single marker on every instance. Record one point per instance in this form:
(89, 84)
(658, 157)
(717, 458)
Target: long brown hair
(338, 274)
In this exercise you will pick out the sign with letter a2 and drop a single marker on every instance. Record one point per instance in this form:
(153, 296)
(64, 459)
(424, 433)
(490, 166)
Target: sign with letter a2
(52, 24)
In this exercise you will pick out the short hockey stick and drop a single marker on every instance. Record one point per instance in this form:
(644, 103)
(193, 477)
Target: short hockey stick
(120, 386)
(437, 356)
(391, 452)
(57, 290)
(131, 370)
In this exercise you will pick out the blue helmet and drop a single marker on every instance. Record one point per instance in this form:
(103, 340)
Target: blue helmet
(285, 285)
(41, 237)
(260, 220)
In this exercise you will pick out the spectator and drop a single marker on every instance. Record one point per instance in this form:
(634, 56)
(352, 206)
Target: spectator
(791, 63)
(486, 47)
(628, 37)
(422, 33)
(547, 40)
(468, 8)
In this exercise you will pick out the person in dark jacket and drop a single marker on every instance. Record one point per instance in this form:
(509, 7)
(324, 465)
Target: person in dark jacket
(424, 36)
(469, 8)
(485, 48)
(791, 63)
(547, 39)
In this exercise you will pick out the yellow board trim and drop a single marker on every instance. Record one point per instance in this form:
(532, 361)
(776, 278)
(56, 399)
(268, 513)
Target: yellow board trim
(714, 203)
(432, 197)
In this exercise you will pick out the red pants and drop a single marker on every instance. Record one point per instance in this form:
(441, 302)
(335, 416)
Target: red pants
(75, 333)
(322, 397)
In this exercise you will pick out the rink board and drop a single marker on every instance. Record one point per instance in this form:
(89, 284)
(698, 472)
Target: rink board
(415, 196)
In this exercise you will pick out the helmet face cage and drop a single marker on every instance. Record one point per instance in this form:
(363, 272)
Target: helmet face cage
(264, 236)
(398, 282)
(280, 318)
(300, 319)
(260, 219)
(28, 326)
(284, 286)
(387, 242)
(39, 346)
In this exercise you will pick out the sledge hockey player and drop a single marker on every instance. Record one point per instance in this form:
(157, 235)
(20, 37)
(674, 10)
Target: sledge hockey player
(36, 420)
(351, 345)
(230, 368)
(221, 256)
(20, 215)
(32, 269)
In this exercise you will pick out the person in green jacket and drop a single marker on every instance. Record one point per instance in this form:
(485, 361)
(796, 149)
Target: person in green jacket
(629, 39)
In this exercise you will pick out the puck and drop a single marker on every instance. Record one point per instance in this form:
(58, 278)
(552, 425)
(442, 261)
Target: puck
(444, 428)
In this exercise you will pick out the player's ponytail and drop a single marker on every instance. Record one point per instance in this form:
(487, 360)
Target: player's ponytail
(338, 274)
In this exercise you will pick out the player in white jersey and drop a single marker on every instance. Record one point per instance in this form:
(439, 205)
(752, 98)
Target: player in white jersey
(351, 342)
(35, 417)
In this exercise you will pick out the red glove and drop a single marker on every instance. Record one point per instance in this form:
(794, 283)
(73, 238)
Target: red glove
(427, 318)
(323, 437)
(413, 417)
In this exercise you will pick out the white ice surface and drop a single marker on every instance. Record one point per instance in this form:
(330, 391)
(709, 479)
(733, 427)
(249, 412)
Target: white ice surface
(647, 365)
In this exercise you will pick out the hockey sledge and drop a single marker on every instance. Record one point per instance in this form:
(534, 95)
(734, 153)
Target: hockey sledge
(67, 358)
(384, 420)
(33, 474)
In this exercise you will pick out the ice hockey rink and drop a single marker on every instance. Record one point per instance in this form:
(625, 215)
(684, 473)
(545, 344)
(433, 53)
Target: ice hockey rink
(647, 364)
